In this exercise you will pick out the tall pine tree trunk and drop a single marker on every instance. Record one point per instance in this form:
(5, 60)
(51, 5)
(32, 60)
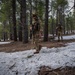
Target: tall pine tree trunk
(57, 20)
(20, 24)
(46, 22)
(36, 3)
(71, 26)
(52, 20)
(63, 19)
(52, 23)
(4, 24)
(67, 22)
(74, 14)
(25, 26)
(30, 12)
(64, 23)
(11, 33)
(14, 19)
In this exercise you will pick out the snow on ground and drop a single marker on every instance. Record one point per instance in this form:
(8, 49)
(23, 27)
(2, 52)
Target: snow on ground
(4, 42)
(69, 37)
(28, 63)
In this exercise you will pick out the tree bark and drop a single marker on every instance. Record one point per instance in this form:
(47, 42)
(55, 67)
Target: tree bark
(14, 19)
(46, 22)
(74, 14)
(30, 12)
(52, 25)
(25, 26)
(4, 24)
(20, 23)
(11, 33)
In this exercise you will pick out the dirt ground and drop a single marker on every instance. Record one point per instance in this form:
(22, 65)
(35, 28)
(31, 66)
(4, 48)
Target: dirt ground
(45, 70)
(19, 46)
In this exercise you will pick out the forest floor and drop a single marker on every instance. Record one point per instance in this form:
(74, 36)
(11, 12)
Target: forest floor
(19, 46)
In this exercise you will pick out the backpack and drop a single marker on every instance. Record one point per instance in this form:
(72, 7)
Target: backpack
(37, 26)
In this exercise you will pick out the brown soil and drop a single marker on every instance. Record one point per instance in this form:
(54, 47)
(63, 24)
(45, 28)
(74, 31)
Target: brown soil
(19, 46)
(59, 71)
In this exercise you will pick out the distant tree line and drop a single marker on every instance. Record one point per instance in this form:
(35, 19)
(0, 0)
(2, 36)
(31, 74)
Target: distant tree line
(16, 17)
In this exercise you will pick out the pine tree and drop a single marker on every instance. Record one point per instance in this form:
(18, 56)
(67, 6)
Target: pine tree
(46, 22)
(14, 19)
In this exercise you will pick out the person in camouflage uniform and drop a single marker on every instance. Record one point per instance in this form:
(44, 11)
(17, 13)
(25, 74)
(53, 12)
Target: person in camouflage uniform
(59, 30)
(35, 32)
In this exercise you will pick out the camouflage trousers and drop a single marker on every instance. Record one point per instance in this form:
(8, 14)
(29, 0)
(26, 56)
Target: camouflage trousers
(35, 40)
(59, 34)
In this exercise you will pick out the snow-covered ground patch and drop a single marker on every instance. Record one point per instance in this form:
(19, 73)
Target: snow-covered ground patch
(4, 43)
(69, 37)
(28, 63)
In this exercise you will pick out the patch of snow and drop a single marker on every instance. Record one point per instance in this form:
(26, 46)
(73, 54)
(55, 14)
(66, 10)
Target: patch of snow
(28, 63)
(69, 37)
(4, 42)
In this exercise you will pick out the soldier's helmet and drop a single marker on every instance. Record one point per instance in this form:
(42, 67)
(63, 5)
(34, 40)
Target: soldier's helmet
(59, 24)
(35, 17)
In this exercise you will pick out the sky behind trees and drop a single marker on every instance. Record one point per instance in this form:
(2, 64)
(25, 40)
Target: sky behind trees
(71, 4)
